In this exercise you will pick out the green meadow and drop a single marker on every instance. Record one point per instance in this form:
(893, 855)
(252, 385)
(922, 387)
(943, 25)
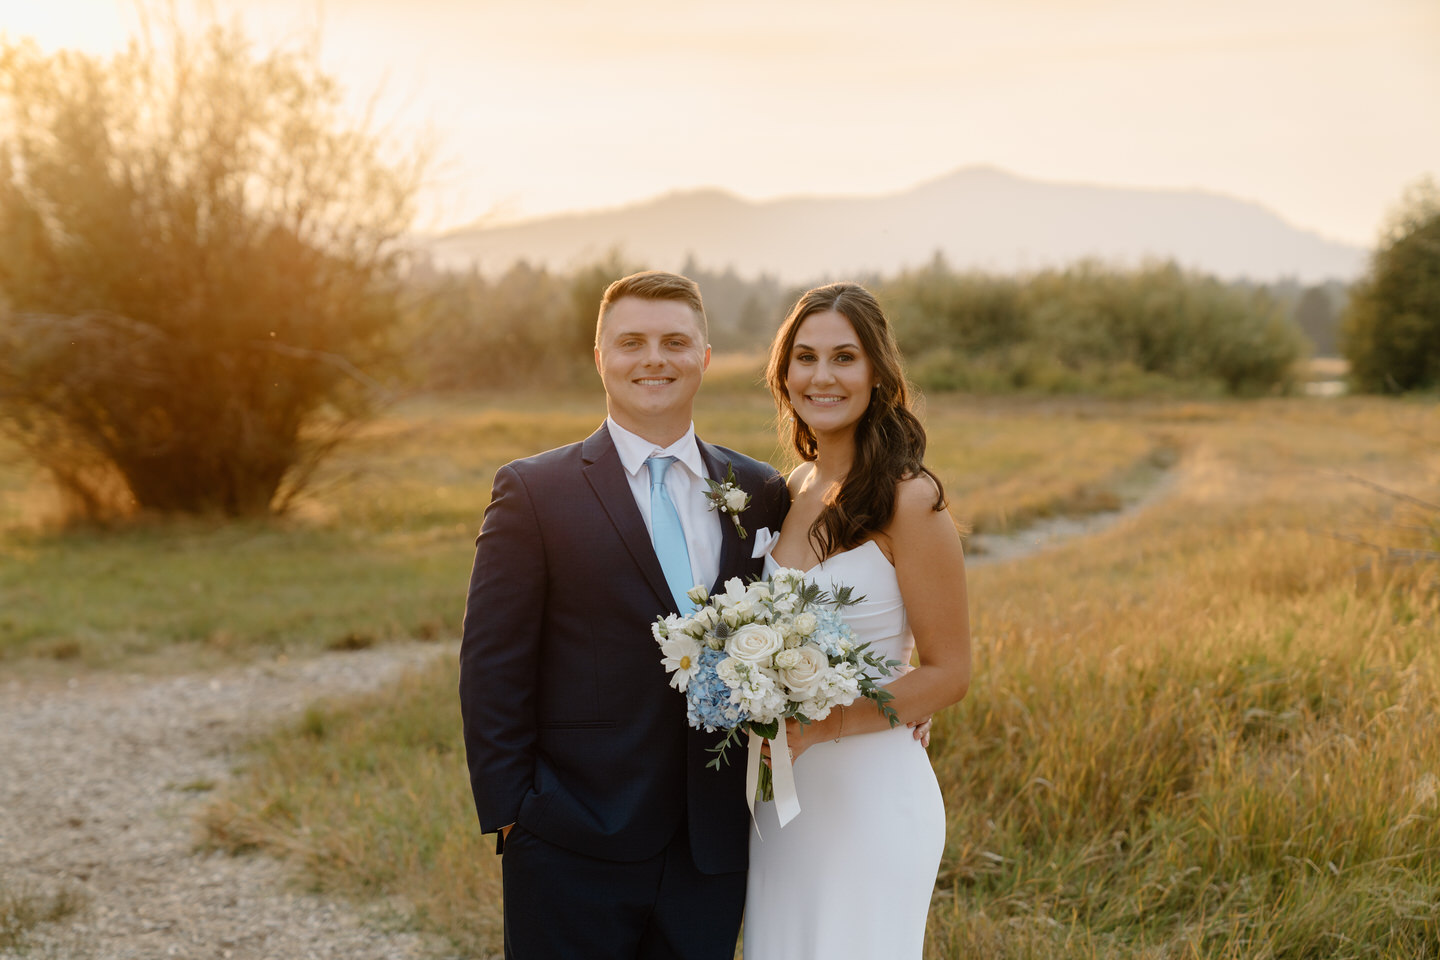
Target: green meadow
(1207, 731)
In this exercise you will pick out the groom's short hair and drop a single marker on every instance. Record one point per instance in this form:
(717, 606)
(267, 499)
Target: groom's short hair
(655, 285)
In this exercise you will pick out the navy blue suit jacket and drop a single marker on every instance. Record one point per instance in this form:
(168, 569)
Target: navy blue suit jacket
(571, 727)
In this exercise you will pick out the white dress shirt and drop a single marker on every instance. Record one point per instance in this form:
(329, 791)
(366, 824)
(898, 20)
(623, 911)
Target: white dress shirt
(685, 480)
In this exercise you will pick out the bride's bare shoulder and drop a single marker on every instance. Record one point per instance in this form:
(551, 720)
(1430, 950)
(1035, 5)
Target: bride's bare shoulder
(798, 476)
(918, 494)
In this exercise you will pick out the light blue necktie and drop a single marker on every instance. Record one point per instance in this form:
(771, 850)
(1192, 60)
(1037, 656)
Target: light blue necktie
(668, 536)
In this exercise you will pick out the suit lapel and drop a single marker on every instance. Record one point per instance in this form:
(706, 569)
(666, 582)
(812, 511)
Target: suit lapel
(732, 553)
(606, 476)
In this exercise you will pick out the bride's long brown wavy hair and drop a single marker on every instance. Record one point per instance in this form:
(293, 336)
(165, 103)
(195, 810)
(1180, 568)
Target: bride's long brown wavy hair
(889, 438)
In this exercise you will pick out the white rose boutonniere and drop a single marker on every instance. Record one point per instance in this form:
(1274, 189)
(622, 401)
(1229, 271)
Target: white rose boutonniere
(727, 497)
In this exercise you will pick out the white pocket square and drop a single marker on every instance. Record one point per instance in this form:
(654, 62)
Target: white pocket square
(764, 540)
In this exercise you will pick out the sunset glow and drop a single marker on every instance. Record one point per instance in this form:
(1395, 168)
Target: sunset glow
(1321, 111)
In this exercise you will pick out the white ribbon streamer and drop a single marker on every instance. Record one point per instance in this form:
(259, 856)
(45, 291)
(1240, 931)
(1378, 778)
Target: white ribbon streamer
(782, 777)
(787, 801)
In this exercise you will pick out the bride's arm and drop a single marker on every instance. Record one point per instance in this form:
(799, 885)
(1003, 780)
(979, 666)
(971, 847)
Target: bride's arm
(930, 565)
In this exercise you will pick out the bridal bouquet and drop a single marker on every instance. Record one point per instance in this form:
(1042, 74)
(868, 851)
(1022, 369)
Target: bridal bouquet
(754, 656)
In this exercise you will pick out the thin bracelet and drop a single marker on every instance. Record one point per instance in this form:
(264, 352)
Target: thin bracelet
(841, 732)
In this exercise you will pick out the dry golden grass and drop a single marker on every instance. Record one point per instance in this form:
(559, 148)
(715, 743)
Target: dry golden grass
(379, 550)
(1207, 732)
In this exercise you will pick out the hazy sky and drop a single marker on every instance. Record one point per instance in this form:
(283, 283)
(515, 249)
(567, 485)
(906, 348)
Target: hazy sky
(1322, 110)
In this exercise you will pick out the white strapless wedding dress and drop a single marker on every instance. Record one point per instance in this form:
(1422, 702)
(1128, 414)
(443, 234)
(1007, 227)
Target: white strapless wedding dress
(850, 877)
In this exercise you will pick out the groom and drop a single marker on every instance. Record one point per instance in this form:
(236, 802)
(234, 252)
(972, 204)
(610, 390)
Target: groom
(617, 842)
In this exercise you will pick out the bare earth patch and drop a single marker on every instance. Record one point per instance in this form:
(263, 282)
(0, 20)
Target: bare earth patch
(100, 781)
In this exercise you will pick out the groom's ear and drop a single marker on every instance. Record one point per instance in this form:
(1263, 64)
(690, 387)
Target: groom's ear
(706, 365)
(598, 368)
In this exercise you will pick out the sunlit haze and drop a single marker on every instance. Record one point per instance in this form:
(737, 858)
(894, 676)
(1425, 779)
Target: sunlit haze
(1322, 111)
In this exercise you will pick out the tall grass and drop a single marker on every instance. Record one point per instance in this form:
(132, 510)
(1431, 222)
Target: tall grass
(1208, 732)
(380, 549)
(1198, 739)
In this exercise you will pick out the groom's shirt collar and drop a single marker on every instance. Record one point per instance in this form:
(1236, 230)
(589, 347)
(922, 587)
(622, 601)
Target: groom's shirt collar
(634, 450)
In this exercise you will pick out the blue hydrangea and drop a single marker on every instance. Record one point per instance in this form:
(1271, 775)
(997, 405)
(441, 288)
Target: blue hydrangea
(708, 698)
(833, 636)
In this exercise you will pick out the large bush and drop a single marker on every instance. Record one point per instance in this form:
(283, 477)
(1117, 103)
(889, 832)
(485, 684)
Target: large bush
(1391, 329)
(1091, 328)
(196, 261)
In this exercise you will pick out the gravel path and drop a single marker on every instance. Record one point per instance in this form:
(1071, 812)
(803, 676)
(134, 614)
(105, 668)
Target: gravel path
(100, 781)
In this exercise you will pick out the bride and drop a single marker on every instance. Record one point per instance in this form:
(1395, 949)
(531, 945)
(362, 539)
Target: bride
(851, 876)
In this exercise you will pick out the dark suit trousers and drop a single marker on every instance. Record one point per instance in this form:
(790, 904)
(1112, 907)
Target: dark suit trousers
(560, 905)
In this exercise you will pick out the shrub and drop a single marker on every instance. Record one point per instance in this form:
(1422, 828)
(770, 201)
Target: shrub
(1391, 329)
(197, 258)
(1088, 327)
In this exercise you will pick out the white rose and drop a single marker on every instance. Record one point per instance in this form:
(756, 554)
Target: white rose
(736, 500)
(698, 594)
(806, 677)
(787, 659)
(728, 670)
(754, 643)
(806, 623)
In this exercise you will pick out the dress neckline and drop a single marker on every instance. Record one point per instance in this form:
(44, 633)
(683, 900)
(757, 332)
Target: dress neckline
(835, 556)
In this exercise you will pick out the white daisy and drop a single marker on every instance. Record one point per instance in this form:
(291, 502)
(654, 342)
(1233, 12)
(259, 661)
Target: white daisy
(681, 659)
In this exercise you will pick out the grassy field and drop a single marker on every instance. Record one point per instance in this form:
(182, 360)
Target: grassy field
(381, 550)
(1207, 732)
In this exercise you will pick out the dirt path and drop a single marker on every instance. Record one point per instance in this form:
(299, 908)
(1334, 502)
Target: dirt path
(987, 548)
(100, 781)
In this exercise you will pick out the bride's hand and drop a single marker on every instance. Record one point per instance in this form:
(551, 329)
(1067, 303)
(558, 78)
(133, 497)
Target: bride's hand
(767, 745)
(922, 730)
(797, 738)
(801, 737)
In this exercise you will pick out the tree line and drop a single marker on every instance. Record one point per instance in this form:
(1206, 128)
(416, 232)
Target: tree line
(1084, 329)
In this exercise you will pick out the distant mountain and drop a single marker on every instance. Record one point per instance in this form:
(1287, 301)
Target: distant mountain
(979, 217)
